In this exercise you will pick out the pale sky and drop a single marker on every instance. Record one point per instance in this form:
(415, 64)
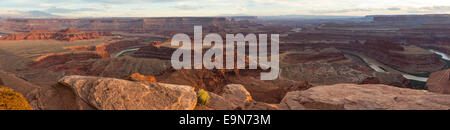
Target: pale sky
(168, 8)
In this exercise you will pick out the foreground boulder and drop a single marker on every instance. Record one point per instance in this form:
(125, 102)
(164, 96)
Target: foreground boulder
(141, 78)
(217, 102)
(117, 94)
(236, 94)
(364, 97)
(390, 79)
(439, 82)
(236, 97)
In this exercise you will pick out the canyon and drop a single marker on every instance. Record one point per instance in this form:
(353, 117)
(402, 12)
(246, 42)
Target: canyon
(358, 61)
(68, 34)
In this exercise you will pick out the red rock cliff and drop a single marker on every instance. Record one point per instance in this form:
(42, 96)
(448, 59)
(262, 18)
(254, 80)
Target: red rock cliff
(68, 34)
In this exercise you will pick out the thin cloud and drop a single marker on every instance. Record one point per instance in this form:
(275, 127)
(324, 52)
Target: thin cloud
(164, 8)
(394, 8)
(187, 7)
(341, 11)
(66, 10)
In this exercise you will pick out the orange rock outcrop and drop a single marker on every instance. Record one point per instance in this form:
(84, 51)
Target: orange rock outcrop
(68, 34)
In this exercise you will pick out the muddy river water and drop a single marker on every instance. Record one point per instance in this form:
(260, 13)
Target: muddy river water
(380, 67)
(443, 55)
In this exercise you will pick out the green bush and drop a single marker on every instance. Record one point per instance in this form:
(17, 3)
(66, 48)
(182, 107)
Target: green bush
(203, 97)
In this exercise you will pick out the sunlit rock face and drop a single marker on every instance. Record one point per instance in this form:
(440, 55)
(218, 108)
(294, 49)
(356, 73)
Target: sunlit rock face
(364, 97)
(68, 34)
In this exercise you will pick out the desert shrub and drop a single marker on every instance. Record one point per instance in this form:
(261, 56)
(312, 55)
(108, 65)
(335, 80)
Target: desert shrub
(203, 97)
(139, 77)
(10, 100)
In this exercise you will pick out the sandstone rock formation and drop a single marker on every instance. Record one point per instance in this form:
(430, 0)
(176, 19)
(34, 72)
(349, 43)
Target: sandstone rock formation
(439, 82)
(236, 97)
(141, 78)
(364, 97)
(217, 102)
(164, 26)
(412, 19)
(109, 48)
(309, 55)
(116, 94)
(371, 80)
(68, 34)
(326, 74)
(390, 79)
(53, 59)
(28, 90)
(113, 67)
(406, 58)
(236, 94)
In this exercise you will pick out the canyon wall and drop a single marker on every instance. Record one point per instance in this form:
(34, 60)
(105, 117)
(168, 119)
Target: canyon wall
(164, 53)
(68, 34)
(385, 51)
(114, 24)
(63, 58)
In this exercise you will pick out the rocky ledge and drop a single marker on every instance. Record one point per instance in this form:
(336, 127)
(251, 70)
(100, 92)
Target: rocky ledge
(439, 82)
(68, 34)
(117, 94)
(99, 93)
(364, 97)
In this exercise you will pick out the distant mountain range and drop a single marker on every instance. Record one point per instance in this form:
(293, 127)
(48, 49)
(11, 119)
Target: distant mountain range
(27, 14)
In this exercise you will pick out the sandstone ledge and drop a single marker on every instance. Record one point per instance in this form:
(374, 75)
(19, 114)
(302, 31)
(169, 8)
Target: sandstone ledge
(364, 97)
(117, 94)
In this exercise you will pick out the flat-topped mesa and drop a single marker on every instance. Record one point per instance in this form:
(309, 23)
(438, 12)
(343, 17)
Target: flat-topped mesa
(69, 30)
(328, 55)
(109, 47)
(163, 24)
(117, 94)
(364, 97)
(53, 59)
(68, 34)
(167, 26)
(412, 19)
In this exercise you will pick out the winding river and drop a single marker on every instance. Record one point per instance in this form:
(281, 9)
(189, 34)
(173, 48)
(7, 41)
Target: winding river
(380, 67)
(374, 64)
(125, 51)
(444, 56)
